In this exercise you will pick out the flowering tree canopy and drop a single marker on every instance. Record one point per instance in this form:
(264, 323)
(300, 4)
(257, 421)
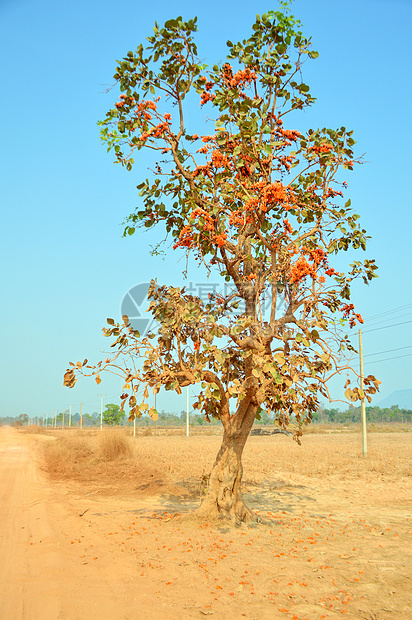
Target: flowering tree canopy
(260, 203)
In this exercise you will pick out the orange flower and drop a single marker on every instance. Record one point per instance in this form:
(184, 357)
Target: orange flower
(185, 238)
(221, 239)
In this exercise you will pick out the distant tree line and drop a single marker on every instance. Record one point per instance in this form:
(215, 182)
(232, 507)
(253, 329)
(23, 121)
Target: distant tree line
(353, 415)
(113, 416)
(23, 418)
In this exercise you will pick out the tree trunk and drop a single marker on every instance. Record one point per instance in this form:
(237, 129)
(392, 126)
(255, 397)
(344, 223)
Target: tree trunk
(223, 497)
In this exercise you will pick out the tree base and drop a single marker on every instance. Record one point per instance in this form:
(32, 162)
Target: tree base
(237, 512)
(223, 499)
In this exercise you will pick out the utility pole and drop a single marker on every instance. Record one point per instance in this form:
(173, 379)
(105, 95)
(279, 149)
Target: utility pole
(55, 419)
(70, 416)
(155, 420)
(81, 415)
(63, 419)
(363, 406)
(187, 412)
(101, 410)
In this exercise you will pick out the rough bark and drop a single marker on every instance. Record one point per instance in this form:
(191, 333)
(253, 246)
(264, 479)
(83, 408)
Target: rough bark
(223, 496)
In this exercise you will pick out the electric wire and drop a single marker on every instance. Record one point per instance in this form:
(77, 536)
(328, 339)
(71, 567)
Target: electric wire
(385, 327)
(388, 351)
(375, 316)
(374, 329)
(387, 359)
(388, 319)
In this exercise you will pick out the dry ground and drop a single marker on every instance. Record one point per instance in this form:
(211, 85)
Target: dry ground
(86, 533)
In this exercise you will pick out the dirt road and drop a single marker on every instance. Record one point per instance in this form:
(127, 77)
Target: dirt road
(45, 572)
(326, 548)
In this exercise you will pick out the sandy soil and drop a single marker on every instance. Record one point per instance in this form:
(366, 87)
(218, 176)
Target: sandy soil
(335, 541)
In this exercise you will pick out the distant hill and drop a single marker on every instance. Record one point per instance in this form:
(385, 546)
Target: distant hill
(402, 398)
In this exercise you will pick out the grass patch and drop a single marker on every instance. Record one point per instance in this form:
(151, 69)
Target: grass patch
(113, 444)
(67, 456)
(32, 429)
(73, 454)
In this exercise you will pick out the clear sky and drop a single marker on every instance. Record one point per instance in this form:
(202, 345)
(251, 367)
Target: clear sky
(64, 264)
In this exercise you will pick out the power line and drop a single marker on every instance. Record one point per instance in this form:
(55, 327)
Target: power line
(388, 319)
(375, 316)
(389, 358)
(388, 351)
(352, 334)
(385, 327)
(96, 400)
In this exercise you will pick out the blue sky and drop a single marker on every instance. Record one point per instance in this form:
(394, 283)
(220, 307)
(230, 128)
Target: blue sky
(65, 266)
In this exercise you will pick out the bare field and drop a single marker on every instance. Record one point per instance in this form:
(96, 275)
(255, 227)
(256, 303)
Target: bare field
(175, 459)
(335, 538)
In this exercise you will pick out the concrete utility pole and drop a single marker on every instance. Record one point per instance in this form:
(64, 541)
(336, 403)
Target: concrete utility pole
(155, 420)
(187, 412)
(101, 410)
(70, 416)
(81, 415)
(363, 406)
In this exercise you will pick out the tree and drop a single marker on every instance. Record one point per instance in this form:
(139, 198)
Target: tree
(112, 415)
(261, 204)
(92, 419)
